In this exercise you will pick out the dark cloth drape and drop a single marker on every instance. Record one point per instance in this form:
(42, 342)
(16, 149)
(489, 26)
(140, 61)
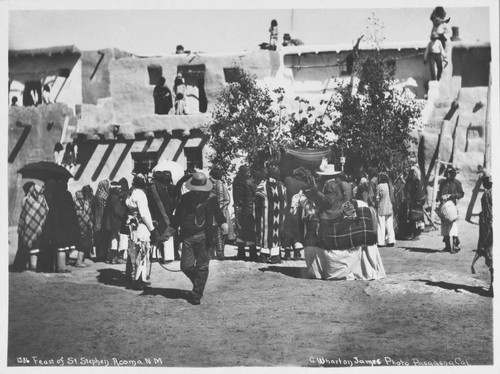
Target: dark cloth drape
(163, 99)
(61, 227)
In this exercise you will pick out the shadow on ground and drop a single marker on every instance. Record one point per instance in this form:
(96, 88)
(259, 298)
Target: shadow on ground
(294, 272)
(113, 277)
(169, 293)
(456, 287)
(422, 250)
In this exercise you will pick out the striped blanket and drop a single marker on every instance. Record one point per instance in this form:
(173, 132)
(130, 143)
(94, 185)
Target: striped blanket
(33, 216)
(270, 213)
(345, 234)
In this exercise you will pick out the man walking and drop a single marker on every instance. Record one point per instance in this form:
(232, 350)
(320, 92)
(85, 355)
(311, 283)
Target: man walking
(194, 216)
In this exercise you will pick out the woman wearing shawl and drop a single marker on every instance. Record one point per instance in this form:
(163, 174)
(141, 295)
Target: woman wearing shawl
(362, 262)
(115, 215)
(416, 195)
(142, 233)
(61, 229)
(222, 195)
(243, 197)
(101, 235)
(83, 205)
(161, 198)
(270, 209)
(294, 184)
(34, 211)
(450, 189)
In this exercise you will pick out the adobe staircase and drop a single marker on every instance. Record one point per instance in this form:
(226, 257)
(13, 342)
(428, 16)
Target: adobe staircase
(459, 114)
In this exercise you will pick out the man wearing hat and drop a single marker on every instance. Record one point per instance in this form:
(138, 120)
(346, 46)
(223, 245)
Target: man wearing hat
(331, 198)
(194, 216)
(450, 189)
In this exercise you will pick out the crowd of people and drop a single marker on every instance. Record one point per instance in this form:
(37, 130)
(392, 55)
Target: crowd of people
(338, 224)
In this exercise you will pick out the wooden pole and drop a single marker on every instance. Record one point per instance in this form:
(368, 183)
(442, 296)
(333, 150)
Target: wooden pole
(487, 130)
(436, 171)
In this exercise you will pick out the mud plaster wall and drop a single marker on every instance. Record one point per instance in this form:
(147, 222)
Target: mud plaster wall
(46, 69)
(312, 73)
(46, 128)
(133, 94)
(463, 136)
(95, 73)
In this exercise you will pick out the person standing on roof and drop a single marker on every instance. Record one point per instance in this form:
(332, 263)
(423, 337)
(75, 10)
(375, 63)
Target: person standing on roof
(162, 97)
(273, 35)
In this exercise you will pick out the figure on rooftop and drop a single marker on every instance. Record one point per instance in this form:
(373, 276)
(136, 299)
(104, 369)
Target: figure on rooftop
(436, 54)
(273, 35)
(162, 97)
(439, 21)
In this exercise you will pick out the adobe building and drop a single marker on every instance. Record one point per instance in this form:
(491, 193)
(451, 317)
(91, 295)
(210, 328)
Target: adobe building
(109, 111)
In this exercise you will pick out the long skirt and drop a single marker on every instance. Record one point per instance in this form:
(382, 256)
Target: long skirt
(449, 228)
(363, 263)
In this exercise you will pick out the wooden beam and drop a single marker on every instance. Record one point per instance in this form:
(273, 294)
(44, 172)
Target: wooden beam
(163, 145)
(122, 157)
(19, 144)
(103, 161)
(180, 149)
(88, 156)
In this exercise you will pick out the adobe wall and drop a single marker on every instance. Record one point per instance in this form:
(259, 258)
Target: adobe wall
(314, 72)
(95, 73)
(132, 90)
(37, 144)
(464, 81)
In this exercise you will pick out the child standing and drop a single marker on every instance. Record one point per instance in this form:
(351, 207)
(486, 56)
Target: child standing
(273, 35)
(439, 24)
(436, 54)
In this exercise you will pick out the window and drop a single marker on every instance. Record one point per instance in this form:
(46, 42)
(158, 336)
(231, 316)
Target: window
(194, 79)
(154, 72)
(194, 157)
(230, 75)
(144, 162)
(32, 94)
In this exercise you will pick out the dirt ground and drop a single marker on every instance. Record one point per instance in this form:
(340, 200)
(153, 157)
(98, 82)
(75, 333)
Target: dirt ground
(429, 309)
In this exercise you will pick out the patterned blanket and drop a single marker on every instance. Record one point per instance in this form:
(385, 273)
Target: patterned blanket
(33, 216)
(345, 234)
(84, 213)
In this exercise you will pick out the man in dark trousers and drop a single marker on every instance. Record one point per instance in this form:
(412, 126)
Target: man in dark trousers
(162, 97)
(194, 216)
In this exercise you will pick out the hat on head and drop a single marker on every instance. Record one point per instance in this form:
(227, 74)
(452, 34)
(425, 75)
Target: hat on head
(216, 173)
(328, 169)
(486, 174)
(199, 182)
(450, 169)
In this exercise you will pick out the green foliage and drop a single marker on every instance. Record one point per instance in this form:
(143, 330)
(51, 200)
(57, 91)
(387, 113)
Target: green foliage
(243, 124)
(375, 123)
(309, 127)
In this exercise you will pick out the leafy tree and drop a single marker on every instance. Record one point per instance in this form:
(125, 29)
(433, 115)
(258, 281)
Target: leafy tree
(244, 124)
(309, 127)
(375, 124)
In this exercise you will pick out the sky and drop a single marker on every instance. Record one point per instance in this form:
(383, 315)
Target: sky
(157, 31)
